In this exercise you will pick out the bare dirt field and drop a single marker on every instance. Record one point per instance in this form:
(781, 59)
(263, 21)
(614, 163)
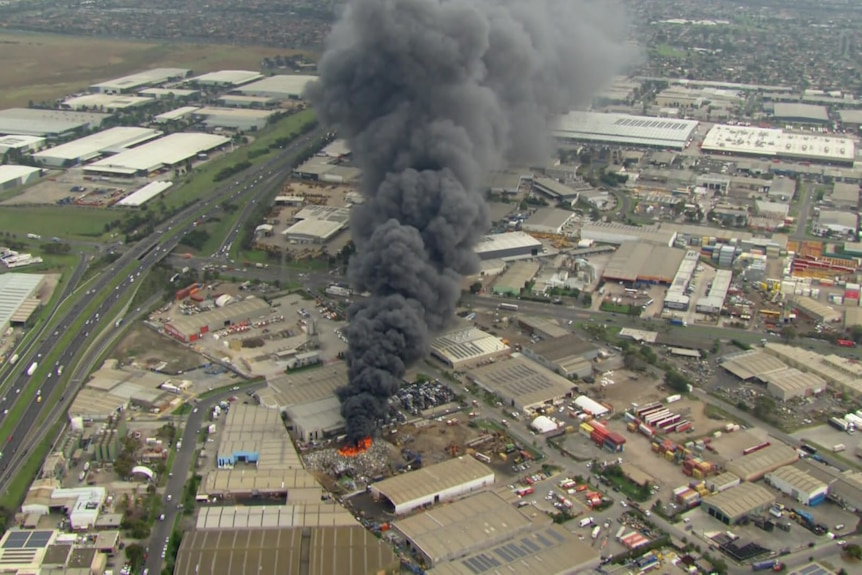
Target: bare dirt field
(147, 348)
(45, 67)
(434, 440)
(730, 445)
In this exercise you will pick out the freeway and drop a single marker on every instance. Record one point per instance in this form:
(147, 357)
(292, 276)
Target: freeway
(147, 252)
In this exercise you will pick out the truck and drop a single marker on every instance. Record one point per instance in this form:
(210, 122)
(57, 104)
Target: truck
(14, 359)
(678, 322)
(34, 236)
(32, 369)
(585, 522)
(840, 424)
(773, 564)
(508, 306)
(845, 342)
(596, 530)
(838, 447)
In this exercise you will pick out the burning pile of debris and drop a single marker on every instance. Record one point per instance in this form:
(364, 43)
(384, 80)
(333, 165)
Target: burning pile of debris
(366, 459)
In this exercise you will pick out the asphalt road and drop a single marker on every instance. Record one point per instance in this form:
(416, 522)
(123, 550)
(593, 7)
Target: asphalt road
(148, 252)
(806, 189)
(182, 469)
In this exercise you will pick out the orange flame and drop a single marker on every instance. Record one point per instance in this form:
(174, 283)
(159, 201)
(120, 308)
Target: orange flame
(360, 447)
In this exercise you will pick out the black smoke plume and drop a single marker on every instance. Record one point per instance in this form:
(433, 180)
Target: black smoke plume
(431, 95)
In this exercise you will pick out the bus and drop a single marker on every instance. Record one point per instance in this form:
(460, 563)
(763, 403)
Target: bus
(508, 306)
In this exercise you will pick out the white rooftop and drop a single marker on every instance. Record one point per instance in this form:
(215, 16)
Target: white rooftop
(91, 146)
(9, 173)
(227, 77)
(167, 151)
(175, 114)
(15, 289)
(284, 85)
(774, 142)
(106, 102)
(624, 128)
(15, 141)
(154, 76)
(493, 243)
(145, 194)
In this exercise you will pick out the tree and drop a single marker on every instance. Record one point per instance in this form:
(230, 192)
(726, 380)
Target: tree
(853, 551)
(135, 554)
(788, 333)
(676, 381)
(475, 287)
(588, 300)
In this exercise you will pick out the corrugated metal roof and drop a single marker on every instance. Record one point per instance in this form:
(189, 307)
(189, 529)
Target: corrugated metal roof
(740, 500)
(433, 479)
(755, 465)
(797, 479)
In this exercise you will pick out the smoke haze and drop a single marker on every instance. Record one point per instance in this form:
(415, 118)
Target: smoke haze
(431, 95)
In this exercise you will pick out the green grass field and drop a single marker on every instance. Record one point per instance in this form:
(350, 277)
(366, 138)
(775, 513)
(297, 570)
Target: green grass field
(63, 222)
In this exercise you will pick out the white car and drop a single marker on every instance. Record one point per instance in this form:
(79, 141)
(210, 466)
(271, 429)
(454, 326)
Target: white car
(841, 542)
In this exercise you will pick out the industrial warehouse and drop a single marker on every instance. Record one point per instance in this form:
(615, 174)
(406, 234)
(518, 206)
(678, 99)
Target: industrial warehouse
(755, 465)
(225, 78)
(508, 246)
(737, 503)
(840, 374)
(317, 224)
(552, 221)
(12, 176)
(776, 143)
(20, 144)
(157, 155)
(110, 141)
(466, 347)
(241, 119)
(798, 484)
(49, 124)
(433, 484)
(255, 436)
(521, 383)
(190, 328)
(105, 102)
(635, 262)
(19, 298)
(138, 80)
(623, 129)
(145, 194)
(280, 86)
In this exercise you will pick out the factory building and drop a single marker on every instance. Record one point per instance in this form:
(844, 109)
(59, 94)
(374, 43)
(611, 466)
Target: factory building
(49, 124)
(515, 279)
(677, 296)
(308, 514)
(19, 298)
(790, 383)
(615, 233)
(508, 246)
(190, 328)
(317, 224)
(112, 140)
(308, 400)
(449, 532)
(521, 383)
(239, 101)
(734, 504)
(164, 93)
(799, 485)
(157, 155)
(176, 115)
(814, 309)
(844, 196)
(714, 299)
(781, 189)
(240, 119)
(776, 143)
(279, 86)
(624, 130)
(20, 144)
(313, 550)
(105, 102)
(635, 262)
(755, 465)
(838, 222)
(845, 487)
(466, 347)
(12, 176)
(225, 78)
(139, 80)
(722, 482)
(433, 484)
(840, 374)
(327, 169)
(570, 355)
(797, 113)
(554, 190)
(255, 435)
(143, 195)
(541, 327)
(551, 221)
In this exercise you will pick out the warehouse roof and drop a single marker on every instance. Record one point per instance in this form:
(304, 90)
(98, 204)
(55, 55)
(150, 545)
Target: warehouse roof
(226, 481)
(252, 307)
(227, 77)
(753, 365)
(635, 260)
(797, 479)
(521, 381)
(283, 85)
(9, 173)
(274, 516)
(213, 112)
(555, 189)
(624, 129)
(516, 276)
(15, 141)
(754, 465)
(811, 306)
(465, 344)
(773, 142)
(164, 152)
(493, 243)
(544, 327)
(250, 100)
(313, 551)
(846, 219)
(176, 114)
(464, 526)
(723, 479)
(323, 414)
(842, 192)
(793, 380)
(146, 193)
(834, 369)
(318, 222)
(741, 500)
(259, 430)
(795, 111)
(89, 147)
(147, 77)
(617, 233)
(550, 549)
(563, 348)
(91, 402)
(432, 479)
(549, 220)
(307, 386)
(38, 122)
(167, 92)
(15, 290)
(106, 102)
(850, 116)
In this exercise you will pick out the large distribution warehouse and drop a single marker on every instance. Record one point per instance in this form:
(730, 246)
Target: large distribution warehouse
(776, 143)
(12, 176)
(521, 383)
(281, 86)
(50, 124)
(140, 80)
(507, 246)
(157, 155)
(623, 129)
(18, 297)
(799, 485)
(433, 484)
(190, 328)
(734, 504)
(641, 262)
(465, 347)
(755, 465)
(112, 140)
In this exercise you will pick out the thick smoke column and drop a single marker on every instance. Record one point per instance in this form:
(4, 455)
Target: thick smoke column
(430, 95)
